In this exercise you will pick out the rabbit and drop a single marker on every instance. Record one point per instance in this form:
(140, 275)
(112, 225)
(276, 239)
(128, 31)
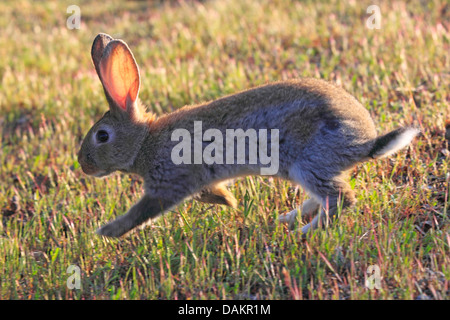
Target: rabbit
(322, 133)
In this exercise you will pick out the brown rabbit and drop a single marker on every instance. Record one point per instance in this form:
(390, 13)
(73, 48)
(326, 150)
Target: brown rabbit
(317, 133)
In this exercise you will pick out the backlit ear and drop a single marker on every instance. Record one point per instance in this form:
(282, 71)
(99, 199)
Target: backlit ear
(98, 46)
(119, 74)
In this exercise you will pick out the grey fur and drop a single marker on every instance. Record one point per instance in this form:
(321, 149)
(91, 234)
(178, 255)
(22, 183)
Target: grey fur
(323, 133)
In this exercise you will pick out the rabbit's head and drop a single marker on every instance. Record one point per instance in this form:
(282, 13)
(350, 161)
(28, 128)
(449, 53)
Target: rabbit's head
(115, 140)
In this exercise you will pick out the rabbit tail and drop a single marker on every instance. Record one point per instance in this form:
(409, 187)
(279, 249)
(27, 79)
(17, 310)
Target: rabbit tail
(392, 142)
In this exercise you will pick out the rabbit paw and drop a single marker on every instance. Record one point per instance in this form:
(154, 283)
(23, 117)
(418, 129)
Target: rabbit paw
(288, 217)
(112, 230)
(309, 209)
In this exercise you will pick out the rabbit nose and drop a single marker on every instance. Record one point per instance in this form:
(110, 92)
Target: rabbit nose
(81, 157)
(83, 160)
(87, 164)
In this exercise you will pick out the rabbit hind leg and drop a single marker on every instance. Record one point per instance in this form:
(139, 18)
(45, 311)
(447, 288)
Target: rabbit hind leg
(216, 194)
(337, 197)
(308, 209)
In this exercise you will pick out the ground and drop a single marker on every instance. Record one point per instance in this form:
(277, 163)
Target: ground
(189, 52)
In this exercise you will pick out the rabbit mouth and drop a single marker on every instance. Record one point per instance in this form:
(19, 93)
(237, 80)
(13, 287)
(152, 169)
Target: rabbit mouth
(89, 170)
(99, 174)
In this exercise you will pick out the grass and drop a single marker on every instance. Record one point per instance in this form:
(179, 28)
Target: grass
(195, 51)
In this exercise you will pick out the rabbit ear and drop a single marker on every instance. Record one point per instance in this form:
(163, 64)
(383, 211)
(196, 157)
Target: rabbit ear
(119, 74)
(99, 45)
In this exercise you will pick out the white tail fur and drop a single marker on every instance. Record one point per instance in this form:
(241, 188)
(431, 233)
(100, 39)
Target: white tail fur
(393, 142)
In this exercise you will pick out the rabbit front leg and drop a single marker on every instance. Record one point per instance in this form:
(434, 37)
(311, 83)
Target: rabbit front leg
(147, 208)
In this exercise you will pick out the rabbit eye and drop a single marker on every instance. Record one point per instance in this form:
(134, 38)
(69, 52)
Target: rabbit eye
(102, 136)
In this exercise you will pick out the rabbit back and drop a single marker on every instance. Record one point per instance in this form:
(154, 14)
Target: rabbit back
(321, 127)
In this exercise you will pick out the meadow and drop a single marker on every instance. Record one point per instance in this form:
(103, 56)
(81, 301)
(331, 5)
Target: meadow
(194, 51)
